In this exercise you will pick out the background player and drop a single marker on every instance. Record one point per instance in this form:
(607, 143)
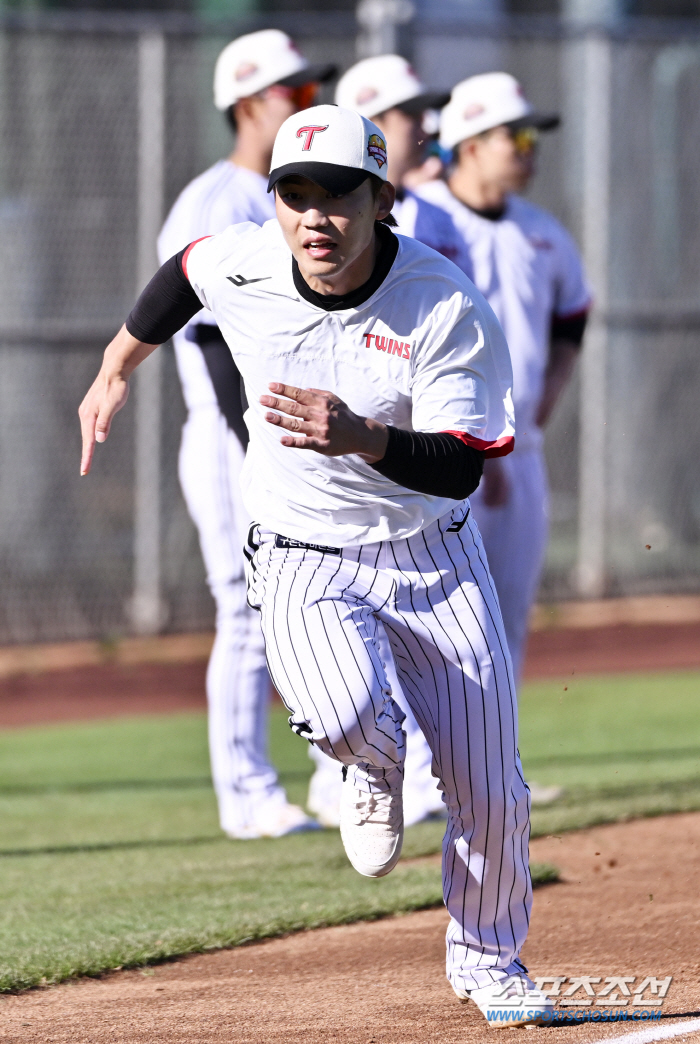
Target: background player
(386, 90)
(528, 268)
(362, 512)
(260, 79)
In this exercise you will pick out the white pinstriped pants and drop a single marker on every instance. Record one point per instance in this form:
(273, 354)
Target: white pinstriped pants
(434, 595)
(515, 538)
(238, 683)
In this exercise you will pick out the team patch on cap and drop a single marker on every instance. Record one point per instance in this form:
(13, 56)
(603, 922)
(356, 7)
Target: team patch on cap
(376, 147)
(473, 110)
(245, 70)
(365, 95)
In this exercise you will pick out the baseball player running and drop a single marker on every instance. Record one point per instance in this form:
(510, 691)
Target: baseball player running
(528, 268)
(378, 379)
(260, 79)
(386, 90)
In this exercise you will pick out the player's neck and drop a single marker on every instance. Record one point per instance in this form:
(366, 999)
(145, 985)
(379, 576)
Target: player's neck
(350, 278)
(397, 171)
(479, 195)
(250, 154)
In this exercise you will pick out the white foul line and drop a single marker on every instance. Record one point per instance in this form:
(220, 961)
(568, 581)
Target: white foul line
(646, 1036)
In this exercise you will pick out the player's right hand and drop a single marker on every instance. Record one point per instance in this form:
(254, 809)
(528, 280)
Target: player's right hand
(109, 391)
(105, 398)
(322, 422)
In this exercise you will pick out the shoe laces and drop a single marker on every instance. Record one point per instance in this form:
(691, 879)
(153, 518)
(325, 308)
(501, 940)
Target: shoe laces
(514, 987)
(383, 808)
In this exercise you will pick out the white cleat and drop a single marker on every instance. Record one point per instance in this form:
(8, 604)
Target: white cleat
(371, 826)
(540, 795)
(511, 1002)
(277, 821)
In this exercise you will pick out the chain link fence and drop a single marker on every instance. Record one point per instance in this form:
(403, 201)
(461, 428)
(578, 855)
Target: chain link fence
(85, 175)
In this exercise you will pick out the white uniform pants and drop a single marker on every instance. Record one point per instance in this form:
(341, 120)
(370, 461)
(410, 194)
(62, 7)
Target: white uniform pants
(421, 797)
(238, 683)
(515, 538)
(435, 598)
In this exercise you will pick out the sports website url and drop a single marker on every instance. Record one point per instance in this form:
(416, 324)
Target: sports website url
(585, 1014)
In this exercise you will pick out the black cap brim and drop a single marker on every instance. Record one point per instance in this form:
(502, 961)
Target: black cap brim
(311, 74)
(428, 100)
(329, 176)
(544, 121)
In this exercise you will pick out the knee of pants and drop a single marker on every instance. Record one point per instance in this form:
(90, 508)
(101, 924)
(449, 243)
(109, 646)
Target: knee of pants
(493, 798)
(351, 738)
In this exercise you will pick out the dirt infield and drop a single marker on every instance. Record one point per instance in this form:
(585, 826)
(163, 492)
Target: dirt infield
(628, 904)
(601, 650)
(107, 691)
(118, 689)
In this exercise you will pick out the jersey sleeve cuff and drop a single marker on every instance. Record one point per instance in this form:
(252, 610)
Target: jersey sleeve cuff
(188, 251)
(498, 448)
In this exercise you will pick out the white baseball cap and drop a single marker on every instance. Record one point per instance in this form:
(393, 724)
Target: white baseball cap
(483, 102)
(386, 81)
(333, 147)
(256, 61)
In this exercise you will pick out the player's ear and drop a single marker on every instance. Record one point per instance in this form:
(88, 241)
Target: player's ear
(463, 149)
(386, 197)
(244, 110)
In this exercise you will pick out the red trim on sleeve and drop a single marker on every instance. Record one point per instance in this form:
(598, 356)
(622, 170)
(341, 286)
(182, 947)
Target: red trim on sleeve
(499, 448)
(187, 253)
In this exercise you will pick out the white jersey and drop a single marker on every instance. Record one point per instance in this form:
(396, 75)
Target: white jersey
(528, 268)
(423, 352)
(433, 226)
(223, 195)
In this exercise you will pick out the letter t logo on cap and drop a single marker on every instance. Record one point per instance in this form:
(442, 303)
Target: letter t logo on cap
(309, 132)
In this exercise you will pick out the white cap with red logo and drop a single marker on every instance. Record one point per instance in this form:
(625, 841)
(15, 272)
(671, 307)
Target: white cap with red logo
(486, 101)
(384, 82)
(333, 147)
(256, 61)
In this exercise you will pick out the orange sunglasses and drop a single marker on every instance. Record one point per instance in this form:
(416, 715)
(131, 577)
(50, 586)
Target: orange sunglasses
(303, 96)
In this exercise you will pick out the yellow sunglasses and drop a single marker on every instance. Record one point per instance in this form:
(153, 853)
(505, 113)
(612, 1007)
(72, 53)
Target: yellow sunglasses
(525, 139)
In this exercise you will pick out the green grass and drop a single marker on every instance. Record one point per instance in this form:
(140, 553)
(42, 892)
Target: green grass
(622, 746)
(111, 855)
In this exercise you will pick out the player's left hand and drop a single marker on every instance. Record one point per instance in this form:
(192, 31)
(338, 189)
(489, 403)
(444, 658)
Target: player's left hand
(324, 423)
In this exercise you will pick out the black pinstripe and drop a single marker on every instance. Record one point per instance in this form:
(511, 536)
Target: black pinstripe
(480, 628)
(432, 594)
(451, 866)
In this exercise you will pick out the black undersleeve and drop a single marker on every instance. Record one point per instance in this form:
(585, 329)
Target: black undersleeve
(165, 306)
(224, 375)
(435, 463)
(569, 329)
